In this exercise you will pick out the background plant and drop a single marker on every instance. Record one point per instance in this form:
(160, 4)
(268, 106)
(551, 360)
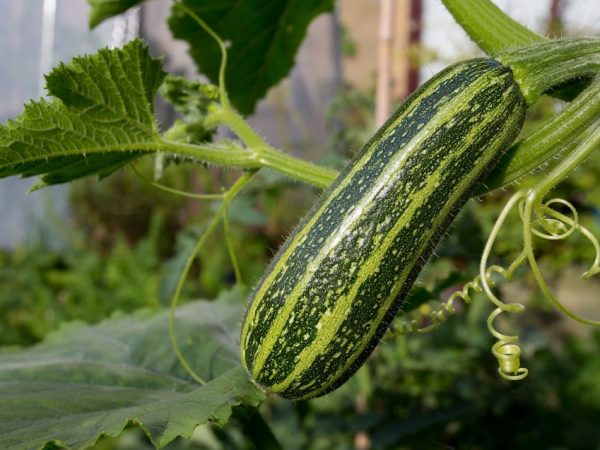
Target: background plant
(416, 391)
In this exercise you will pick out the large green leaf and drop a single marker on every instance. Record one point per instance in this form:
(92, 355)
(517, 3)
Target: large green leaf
(88, 381)
(264, 36)
(105, 9)
(101, 118)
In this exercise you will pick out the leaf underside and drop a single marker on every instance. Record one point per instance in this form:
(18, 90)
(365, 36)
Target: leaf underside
(87, 381)
(105, 9)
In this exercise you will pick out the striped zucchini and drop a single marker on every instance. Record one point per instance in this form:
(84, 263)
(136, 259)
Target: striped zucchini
(335, 285)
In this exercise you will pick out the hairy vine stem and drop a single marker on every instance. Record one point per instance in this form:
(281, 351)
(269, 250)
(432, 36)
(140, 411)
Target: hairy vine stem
(557, 135)
(228, 196)
(257, 153)
(541, 66)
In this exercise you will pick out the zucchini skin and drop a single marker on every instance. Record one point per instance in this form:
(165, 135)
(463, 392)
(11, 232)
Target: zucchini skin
(337, 282)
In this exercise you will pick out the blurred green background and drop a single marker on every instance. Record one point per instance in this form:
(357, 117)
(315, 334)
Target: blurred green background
(122, 244)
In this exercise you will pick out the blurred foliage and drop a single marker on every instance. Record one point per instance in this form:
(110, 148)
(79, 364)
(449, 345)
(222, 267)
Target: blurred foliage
(348, 45)
(351, 115)
(127, 246)
(43, 287)
(442, 390)
(122, 206)
(439, 390)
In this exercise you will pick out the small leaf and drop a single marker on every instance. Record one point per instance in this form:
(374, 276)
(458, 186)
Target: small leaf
(88, 381)
(102, 117)
(264, 36)
(193, 100)
(105, 9)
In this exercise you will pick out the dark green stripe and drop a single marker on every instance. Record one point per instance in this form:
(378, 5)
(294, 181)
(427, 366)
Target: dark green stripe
(366, 306)
(446, 142)
(341, 267)
(330, 220)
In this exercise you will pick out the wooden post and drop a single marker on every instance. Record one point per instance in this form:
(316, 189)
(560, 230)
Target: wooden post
(414, 39)
(401, 56)
(384, 61)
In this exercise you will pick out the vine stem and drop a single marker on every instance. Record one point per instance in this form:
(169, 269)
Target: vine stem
(222, 90)
(174, 191)
(539, 67)
(488, 26)
(250, 158)
(533, 204)
(561, 133)
(516, 198)
(227, 198)
(495, 31)
(232, 255)
(572, 123)
(259, 153)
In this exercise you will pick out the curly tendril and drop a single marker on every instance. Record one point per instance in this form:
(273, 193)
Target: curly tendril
(554, 228)
(506, 349)
(221, 215)
(558, 226)
(442, 312)
(539, 219)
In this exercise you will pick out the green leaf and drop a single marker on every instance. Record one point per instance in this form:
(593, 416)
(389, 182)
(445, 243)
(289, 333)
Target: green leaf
(101, 118)
(105, 9)
(264, 36)
(191, 99)
(88, 381)
(194, 101)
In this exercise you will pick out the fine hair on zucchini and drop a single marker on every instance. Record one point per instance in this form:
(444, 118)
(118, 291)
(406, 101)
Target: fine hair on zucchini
(335, 285)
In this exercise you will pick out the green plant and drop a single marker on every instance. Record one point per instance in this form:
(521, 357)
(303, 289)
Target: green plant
(42, 288)
(100, 119)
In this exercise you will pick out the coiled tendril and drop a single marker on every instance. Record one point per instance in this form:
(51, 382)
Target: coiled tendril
(443, 311)
(540, 219)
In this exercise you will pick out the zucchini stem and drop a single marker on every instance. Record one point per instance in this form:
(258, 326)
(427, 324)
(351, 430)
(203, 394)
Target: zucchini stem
(540, 67)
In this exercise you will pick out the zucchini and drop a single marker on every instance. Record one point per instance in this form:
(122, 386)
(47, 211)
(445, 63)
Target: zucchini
(335, 285)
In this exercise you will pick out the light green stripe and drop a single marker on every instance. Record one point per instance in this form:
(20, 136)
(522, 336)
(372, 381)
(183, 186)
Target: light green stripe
(452, 201)
(332, 322)
(280, 266)
(280, 321)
